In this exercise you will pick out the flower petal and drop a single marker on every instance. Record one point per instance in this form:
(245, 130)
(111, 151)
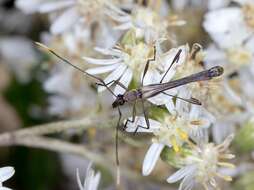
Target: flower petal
(151, 158)
(78, 180)
(6, 173)
(181, 173)
(115, 75)
(102, 61)
(106, 51)
(125, 80)
(65, 21)
(104, 69)
(231, 25)
(53, 6)
(131, 127)
(28, 6)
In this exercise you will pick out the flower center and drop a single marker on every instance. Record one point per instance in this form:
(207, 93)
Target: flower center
(172, 132)
(207, 165)
(136, 57)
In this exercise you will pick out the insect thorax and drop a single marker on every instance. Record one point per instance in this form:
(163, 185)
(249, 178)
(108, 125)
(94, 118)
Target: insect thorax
(132, 95)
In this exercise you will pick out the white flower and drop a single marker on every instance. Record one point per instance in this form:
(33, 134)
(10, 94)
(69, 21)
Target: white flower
(201, 165)
(128, 62)
(91, 181)
(69, 12)
(69, 93)
(240, 60)
(234, 26)
(232, 58)
(5, 174)
(19, 54)
(215, 4)
(146, 23)
(172, 131)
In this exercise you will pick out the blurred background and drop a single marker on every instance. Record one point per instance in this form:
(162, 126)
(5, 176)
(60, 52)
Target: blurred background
(24, 101)
(30, 84)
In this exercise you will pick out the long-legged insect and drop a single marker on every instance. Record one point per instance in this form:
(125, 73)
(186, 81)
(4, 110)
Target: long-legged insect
(146, 91)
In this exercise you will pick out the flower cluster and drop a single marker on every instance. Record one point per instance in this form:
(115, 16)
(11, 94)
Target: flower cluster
(131, 42)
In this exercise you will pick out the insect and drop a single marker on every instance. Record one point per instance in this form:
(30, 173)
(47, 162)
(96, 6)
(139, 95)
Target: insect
(146, 91)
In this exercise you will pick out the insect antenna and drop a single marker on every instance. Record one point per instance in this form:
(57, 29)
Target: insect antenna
(103, 84)
(74, 66)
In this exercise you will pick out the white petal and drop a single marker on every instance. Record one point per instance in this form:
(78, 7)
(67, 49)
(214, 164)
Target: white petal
(6, 173)
(187, 183)
(102, 61)
(105, 51)
(53, 6)
(230, 26)
(151, 158)
(65, 21)
(4, 188)
(215, 4)
(78, 180)
(28, 6)
(94, 183)
(170, 106)
(181, 173)
(220, 130)
(99, 70)
(115, 75)
(125, 80)
(131, 127)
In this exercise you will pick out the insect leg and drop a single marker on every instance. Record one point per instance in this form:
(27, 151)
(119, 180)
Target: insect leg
(175, 60)
(114, 82)
(191, 100)
(147, 64)
(146, 118)
(133, 116)
(116, 145)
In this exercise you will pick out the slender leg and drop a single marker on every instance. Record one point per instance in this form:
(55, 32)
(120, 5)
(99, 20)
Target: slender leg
(146, 118)
(133, 116)
(114, 82)
(116, 145)
(191, 100)
(147, 64)
(175, 60)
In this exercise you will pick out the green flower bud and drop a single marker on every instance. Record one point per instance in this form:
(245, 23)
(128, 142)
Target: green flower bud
(244, 139)
(175, 159)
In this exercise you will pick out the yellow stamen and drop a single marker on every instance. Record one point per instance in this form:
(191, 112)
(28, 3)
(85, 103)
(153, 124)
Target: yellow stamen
(226, 156)
(183, 135)
(174, 144)
(196, 122)
(225, 177)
